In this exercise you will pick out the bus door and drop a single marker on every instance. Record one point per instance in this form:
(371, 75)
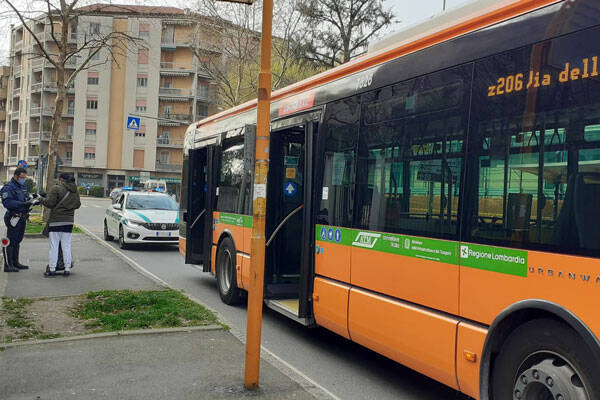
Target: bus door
(200, 204)
(289, 214)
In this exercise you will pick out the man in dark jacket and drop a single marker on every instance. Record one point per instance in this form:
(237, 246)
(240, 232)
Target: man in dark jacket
(62, 200)
(17, 201)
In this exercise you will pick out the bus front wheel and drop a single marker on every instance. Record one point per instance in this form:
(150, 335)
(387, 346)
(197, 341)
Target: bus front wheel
(543, 360)
(226, 273)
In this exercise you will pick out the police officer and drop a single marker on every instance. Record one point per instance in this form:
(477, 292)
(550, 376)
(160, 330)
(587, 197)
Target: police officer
(17, 201)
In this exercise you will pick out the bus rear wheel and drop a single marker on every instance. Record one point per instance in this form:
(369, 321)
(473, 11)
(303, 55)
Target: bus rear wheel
(226, 273)
(544, 360)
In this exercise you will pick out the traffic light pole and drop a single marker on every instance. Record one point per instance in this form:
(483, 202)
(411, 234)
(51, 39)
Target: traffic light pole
(261, 168)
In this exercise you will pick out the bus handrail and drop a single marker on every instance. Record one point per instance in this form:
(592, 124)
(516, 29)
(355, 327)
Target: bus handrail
(290, 215)
(197, 219)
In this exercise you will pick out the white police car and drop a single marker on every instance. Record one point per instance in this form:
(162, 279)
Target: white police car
(142, 217)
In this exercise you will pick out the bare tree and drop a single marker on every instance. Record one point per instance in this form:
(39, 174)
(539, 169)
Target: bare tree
(227, 42)
(337, 30)
(69, 52)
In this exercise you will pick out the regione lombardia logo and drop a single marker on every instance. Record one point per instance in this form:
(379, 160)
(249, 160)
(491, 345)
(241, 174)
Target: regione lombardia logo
(464, 251)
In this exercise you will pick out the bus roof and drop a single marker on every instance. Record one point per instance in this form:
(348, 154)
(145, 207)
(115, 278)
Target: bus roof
(440, 31)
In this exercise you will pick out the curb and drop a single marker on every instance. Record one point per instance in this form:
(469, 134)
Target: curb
(136, 332)
(306, 383)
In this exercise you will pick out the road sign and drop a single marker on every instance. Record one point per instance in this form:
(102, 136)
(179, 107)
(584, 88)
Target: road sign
(290, 189)
(133, 123)
(22, 164)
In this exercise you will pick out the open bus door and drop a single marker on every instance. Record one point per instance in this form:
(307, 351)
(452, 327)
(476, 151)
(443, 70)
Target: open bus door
(200, 206)
(290, 217)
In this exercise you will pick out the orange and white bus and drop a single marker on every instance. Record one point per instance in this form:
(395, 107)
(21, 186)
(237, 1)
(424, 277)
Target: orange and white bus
(436, 200)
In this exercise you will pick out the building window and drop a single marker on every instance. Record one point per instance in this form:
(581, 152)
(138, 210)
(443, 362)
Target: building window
(69, 155)
(142, 80)
(144, 30)
(164, 157)
(90, 154)
(202, 111)
(93, 78)
(94, 56)
(203, 90)
(140, 105)
(141, 132)
(167, 83)
(90, 128)
(138, 159)
(94, 28)
(92, 104)
(142, 56)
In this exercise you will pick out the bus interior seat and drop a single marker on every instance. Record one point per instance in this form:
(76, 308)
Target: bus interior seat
(587, 211)
(578, 224)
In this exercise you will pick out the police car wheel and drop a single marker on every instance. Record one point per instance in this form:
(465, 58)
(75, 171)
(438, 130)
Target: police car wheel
(107, 237)
(122, 243)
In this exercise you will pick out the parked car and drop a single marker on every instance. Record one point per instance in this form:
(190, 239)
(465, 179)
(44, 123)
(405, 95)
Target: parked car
(142, 217)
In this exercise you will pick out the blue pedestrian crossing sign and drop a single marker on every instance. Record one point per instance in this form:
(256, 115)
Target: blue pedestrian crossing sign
(133, 123)
(290, 189)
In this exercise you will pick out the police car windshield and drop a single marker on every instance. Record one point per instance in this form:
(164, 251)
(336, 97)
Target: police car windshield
(150, 202)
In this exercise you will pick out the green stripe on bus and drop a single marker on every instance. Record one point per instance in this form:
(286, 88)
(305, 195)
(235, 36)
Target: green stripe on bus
(488, 258)
(410, 246)
(236, 220)
(495, 259)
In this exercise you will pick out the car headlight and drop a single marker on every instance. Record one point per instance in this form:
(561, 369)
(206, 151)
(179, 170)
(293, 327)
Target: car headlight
(134, 223)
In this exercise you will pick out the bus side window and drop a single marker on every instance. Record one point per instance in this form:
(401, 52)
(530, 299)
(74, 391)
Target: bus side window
(534, 167)
(410, 159)
(339, 140)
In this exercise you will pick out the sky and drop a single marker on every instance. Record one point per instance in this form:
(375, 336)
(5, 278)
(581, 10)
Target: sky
(407, 12)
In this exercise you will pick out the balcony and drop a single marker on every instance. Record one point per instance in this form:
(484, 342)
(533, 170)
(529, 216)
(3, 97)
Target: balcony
(11, 161)
(32, 159)
(36, 87)
(67, 137)
(170, 119)
(175, 93)
(170, 43)
(67, 162)
(37, 110)
(38, 62)
(34, 136)
(13, 137)
(172, 69)
(16, 69)
(166, 167)
(15, 114)
(53, 87)
(69, 112)
(169, 142)
(16, 91)
(18, 45)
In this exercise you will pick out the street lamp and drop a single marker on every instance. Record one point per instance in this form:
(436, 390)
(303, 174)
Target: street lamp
(259, 203)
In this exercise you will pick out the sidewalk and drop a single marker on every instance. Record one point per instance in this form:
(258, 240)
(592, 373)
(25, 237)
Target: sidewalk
(196, 364)
(96, 268)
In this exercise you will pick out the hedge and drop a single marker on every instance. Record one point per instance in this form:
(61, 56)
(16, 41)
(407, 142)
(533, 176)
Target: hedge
(95, 191)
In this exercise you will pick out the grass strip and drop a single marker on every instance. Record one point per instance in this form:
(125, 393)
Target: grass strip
(36, 225)
(115, 310)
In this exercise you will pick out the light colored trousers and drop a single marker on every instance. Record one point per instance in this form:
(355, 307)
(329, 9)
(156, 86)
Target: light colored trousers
(62, 239)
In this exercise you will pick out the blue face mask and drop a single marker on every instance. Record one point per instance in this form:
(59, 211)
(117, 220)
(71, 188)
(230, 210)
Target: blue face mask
(22, 181)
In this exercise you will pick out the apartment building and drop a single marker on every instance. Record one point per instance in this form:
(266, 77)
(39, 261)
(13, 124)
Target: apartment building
(4, 77)
(161, 80)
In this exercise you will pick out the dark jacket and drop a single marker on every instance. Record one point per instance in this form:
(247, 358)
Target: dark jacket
(14, 197)
(65, 212)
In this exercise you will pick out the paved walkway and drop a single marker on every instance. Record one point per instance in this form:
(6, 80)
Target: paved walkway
(194, 365)
(96, 268)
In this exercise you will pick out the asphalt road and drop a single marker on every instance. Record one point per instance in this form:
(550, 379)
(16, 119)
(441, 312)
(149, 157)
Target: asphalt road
(345, 369)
